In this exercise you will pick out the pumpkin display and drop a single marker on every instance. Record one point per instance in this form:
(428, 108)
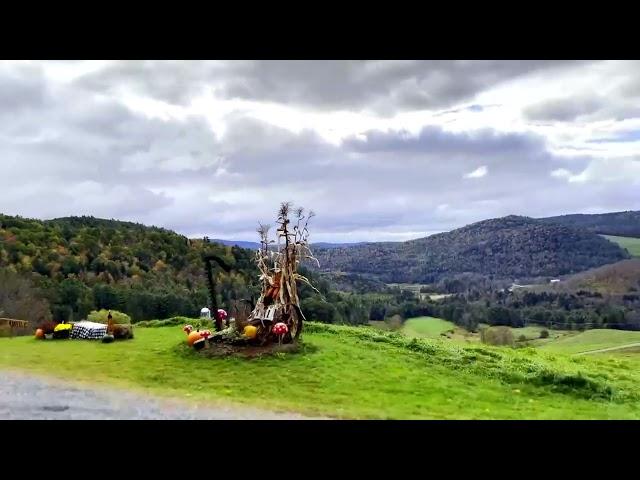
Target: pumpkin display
(193, 337)
(250, 331)
(199, 344)
(39, 333)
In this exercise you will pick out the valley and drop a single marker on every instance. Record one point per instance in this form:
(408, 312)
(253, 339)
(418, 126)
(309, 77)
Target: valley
(388, 340)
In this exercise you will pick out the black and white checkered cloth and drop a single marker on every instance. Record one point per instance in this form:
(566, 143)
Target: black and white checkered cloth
(88, 330)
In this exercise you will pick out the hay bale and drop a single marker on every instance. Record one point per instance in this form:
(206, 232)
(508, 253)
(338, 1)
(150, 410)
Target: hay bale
(122, 331)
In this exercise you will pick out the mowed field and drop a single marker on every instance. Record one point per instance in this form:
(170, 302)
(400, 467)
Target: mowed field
(559, 341)
(631, 244)
(426, 327)
(432, 327)
(351, 372)
(590, 340)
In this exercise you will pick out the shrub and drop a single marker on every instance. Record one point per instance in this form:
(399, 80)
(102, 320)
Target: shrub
(175, 321)
(395, 322)
(544, 334)
(522, 338)
(5, 331)
(100, 316)
(497, 336)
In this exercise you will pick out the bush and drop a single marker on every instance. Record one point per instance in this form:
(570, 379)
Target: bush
(395, 322)
(544, 334)
(522, 338)
(100, 316)
(175, 321)
(5, 331)
(497, 336)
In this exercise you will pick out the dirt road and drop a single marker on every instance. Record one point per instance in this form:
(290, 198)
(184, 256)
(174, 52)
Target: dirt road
(611, 349)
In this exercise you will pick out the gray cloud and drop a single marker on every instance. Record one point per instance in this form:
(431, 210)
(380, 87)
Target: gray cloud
(22, 89)
(565, 109)
(174, 81)
(384, 87)
(81, 151)
(583, 107)
(436, 140)
(622, 103)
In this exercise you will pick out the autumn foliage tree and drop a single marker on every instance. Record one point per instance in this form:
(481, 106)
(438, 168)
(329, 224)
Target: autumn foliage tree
(20, 300)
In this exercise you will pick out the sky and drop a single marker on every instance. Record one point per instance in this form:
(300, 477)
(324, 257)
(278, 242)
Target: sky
(379, 150)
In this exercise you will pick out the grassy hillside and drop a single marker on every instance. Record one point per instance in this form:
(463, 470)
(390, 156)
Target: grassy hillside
(86, 263)
(351, 372)
(618, 278)
(625, 224)
(592, 340)
(426, 327)
(631, 244)
(512, 246)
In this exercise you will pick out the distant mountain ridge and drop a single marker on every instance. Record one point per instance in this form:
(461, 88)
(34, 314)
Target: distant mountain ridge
(511, 246)
(256, 245)
(623, 224)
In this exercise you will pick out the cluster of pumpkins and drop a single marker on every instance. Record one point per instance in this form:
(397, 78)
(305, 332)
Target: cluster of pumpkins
(196, 339)
(61, 330)
(199, 338)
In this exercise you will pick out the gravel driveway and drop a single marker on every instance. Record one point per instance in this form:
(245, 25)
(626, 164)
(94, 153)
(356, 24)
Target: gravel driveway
(29, 397)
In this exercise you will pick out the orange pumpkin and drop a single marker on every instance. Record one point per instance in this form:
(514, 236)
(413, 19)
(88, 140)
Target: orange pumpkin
(192, 337)
(39, 333)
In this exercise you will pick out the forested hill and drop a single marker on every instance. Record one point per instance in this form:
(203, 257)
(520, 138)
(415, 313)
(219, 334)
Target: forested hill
(624, 224)
(511, 246)
(82, 263)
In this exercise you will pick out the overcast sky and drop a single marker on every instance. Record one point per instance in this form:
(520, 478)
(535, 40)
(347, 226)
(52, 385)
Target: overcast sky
(380, 150)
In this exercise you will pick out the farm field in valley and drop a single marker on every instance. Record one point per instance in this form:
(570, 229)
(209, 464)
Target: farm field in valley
(426, 327)
(630, 243)
(593, 340)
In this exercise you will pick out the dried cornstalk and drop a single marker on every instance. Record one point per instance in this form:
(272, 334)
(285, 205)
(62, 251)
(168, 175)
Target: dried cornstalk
(279, 269)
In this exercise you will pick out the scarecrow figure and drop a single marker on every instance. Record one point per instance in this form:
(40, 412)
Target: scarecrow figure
(110, 323)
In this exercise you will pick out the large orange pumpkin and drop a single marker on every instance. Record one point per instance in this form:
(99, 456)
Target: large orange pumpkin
(193, 336)
(39, 333)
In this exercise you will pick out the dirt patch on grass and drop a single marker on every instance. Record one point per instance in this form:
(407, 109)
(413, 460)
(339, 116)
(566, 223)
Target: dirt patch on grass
(217, 350)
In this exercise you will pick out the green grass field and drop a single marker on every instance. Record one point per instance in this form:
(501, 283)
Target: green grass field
(349, 372)
(533, 333)
(426, 327)
(631, 244)
(592, 340)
